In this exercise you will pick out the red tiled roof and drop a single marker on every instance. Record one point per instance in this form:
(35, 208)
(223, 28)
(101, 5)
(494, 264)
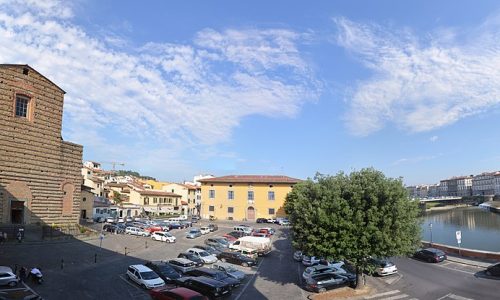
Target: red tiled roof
(252, 179)
(158, 193)
(184, 203)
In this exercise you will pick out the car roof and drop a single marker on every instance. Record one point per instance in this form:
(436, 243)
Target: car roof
(182, 260)
(5, 269)
(320, 267)
(207, 270)
(434, 250)
(183, 292)
(208, 280)
(141, 268)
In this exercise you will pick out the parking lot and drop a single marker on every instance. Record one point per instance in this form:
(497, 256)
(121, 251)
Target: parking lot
(90, 270)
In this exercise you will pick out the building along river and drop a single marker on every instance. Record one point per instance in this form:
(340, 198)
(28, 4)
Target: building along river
(480, 228)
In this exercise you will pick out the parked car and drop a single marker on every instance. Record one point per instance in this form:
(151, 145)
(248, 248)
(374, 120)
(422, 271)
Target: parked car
(236, 258)
(163, 237)
(7, 277)
(267, 230)
(198, 262)
(129, 219)
(112, 228)
(206, 257)
(217, 242)
(164, 270)
(271, 220)
(310, 260)
(209, 249)
(213, 227)
(323, 282)
(214, 274)
(284, 223)
(144, 276)
(258, 234)
(99, 219)
(136, 231)
(430, 255)
(182, 265)
(244, 229)
(175, 225)
(229, 270)
(186, 224)
(234, 234)
(297, 255)
(110, 220)
(180, 293)
(320, 269)
(207, 286)
(493, 270)
(383, 266)
(204, 230)
(261, 220)
(193, 233)
(153, 228)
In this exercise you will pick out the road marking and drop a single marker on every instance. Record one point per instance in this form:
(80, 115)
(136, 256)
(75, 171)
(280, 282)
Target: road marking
(453, 296)
(382, 294)
(396, 297)
(444, 267)
(250, 280)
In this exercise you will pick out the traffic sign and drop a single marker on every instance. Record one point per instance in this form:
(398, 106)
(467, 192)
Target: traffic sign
(458, 234)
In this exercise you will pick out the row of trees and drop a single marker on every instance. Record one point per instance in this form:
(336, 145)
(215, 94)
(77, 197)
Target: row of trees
(352, 217)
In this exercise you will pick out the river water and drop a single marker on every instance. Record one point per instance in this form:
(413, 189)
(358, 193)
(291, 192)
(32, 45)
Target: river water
(480, 228)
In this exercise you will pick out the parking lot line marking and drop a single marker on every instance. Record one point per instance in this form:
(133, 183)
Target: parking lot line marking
(250, 280)
(396, 297)
(457, 297)
(467, 272)
(381, 294)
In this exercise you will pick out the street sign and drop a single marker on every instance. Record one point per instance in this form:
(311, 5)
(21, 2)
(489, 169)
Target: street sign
(458, 234)
(101, 236)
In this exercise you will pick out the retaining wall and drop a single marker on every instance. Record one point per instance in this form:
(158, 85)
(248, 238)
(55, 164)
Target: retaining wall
(472, 253)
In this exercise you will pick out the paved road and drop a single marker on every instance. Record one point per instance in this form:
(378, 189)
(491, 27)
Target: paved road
(445, 280)
(82, 278)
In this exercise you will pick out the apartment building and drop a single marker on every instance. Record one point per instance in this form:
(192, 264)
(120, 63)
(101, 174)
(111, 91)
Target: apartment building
(188, 196)
(245, 197)
(40, 173)
(155, 202)
(484, 183)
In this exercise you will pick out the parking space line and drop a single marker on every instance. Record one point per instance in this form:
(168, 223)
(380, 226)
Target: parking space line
(250, 280)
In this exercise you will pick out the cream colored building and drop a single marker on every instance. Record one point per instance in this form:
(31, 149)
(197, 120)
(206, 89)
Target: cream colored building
(188, 196)
(156, 202)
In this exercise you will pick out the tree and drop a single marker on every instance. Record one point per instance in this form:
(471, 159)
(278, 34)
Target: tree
(352, 217)
(117, 197)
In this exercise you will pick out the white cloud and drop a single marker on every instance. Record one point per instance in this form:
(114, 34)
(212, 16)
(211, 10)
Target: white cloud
(190, 93)
(433, 138)
(421, 84)
(414, 160)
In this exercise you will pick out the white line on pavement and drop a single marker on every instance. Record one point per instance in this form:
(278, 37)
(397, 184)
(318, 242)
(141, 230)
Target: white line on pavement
(396, 297)
(382, 294)
(453, 296)
(250, 280)
(444, 267)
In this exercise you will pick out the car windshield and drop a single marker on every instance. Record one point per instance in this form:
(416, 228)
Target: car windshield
(230, 269)
(165, 269)
(148, 275)
(167, 234)
(222, 241)
(220, 276)
(203, 254)
(193, 231)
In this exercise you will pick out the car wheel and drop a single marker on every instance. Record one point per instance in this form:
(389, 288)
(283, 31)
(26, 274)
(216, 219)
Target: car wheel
(244, 264)
(12, 283)
(429, 260)
(321, 290)
(223, 260)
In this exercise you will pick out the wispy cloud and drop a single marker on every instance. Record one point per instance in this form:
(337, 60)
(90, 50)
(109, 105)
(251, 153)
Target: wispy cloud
(433, 138)
(421, 84)
(191, 94)
(414, 160)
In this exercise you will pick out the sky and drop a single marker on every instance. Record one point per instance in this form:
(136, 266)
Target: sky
(172, 89)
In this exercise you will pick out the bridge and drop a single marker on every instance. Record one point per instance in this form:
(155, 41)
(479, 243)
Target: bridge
(439, 199)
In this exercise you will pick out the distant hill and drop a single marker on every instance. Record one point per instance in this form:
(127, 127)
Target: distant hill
(133, 173)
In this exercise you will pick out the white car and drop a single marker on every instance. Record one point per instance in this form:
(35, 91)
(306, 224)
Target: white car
(322, 269)
(383, 267)
(206, 257)
(205, 230)
(136, 231)
(110, 220)
(163, 236)
(271, 220)
(144, 276)
(7, 277)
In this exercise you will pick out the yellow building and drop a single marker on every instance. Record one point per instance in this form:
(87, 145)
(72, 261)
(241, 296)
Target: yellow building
(245, 197)
(155, 185)
(156, 202)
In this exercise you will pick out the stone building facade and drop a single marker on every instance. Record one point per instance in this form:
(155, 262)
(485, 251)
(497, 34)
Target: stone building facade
(40, 179)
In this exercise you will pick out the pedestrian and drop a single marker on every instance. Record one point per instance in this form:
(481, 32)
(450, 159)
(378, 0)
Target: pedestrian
(22, 274)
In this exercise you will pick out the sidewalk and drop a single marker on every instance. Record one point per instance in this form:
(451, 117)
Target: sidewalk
(471, 261)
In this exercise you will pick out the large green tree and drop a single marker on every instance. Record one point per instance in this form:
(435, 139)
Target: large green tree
(352, 217)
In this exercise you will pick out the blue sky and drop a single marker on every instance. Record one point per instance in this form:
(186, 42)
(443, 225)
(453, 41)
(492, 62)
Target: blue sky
(174, 89)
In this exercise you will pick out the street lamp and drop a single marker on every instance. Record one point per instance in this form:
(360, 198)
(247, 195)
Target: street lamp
(430, 228)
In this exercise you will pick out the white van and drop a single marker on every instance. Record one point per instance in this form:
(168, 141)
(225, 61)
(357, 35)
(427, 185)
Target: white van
(245, 229)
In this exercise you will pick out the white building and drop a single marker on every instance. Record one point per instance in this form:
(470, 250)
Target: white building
(484, 183)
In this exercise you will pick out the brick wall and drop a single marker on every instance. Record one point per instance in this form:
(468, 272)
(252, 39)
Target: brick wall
(36, 165)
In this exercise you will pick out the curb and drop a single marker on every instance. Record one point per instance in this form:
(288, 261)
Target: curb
(478, 264)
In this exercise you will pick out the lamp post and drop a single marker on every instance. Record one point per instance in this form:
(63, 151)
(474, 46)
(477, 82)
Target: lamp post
(430, 228)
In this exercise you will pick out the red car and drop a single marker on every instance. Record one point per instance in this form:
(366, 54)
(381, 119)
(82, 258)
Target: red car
(180, 293)
(261, 234)
(230, 238)
(152, 229)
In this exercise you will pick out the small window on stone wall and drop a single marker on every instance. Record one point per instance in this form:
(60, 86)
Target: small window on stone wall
(67, 201)
(22, 109)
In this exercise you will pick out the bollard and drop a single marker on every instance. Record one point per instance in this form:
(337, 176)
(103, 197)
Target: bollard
(146, 244)
(62, 263)
(95, 258)
(125, 251)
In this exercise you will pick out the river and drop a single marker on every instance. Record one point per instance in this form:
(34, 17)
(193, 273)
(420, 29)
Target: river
(480, 228)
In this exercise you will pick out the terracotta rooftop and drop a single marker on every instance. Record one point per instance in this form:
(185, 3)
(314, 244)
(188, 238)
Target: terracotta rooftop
(252, 179)
(158, 193)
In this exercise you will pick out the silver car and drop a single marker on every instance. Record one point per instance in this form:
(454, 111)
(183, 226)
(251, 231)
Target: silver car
(7, 277)
(297, 255)
(193, 233)
(182, 265)
(229, 270)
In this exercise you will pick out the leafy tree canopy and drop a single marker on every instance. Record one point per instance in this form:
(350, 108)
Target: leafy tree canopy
(351, 217)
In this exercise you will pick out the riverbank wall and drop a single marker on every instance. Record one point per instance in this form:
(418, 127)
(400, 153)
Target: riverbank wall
(470, 253)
